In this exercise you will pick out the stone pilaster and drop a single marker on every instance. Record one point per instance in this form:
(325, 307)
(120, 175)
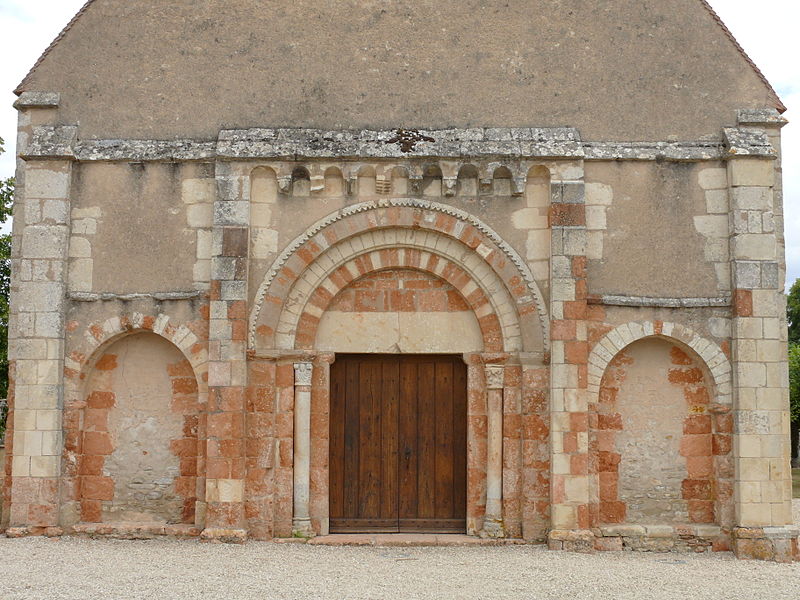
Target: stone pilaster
(36, 326)
(227, 372)
(568, 368)
(761, 436)
(301, 521)
(493, 522)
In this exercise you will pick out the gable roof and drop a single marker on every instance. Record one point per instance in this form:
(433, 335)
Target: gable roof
(42, 78)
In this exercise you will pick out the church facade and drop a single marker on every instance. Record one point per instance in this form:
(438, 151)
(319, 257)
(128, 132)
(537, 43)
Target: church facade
(502, 269)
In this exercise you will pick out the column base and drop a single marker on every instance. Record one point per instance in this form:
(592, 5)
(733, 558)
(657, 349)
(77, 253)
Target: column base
(492, 528)
(777, 544)
(301, 528)
(227, 536)
(571, 540)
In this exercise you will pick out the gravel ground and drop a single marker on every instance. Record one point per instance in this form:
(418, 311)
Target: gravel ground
(79, 568)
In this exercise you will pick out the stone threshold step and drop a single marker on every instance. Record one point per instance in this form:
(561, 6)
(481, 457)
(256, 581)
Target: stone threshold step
(406, 539)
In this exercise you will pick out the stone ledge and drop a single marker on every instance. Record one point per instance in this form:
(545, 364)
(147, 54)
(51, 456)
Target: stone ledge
(748, 142)
(653, 302)
(227, 536)
(135, 531)
(761, 116)
(404, 540)
(38, 100)
(160, 296)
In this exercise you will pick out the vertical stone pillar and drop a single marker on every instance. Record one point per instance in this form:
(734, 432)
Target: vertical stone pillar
(493, 521)
(568, 369)
(301, 521)
(761, 437)
(36, 327)
(227, 368)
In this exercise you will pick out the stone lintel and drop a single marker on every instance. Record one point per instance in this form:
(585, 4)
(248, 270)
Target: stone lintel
(52, 143)
(38, 100)
(748, 142)
(158, 296)
(669, 151)
(653, 302)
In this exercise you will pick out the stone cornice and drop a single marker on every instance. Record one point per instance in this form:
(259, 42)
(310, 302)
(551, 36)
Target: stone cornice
(480, 144)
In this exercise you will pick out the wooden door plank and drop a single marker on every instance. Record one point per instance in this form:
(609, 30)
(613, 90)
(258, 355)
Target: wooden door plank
(369, 438)
(336, 436)
(407, 440)
(459, 439)
(443, 403)
(426, 439)
(351, 438)
(390, 382)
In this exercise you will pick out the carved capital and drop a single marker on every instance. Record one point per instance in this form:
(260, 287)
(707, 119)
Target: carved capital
(302, 373)
(494, 376)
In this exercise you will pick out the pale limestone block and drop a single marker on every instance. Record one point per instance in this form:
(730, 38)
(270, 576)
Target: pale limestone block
(31, 349)
(44, 241)
(753, 469)
(80, 274)
(596, 217)
(773, 446)
(573, 401)
(202, 271)
(48, 325)
(713, 178)
(44, 466)
(45, 184)
(49, 372)
(264, 243)
(574, 242)
(712, 225)
(722, 271)
(200, 215)
(55, 350)
(563, 516)
(26, 372)
(90, 212)
(561, 464)
(752, 198)
(219, 374)
(768, 222)
(765, 303)
(717, 201)
(781, 514)
(229, 490)
(79, 247)
(772, 328)
(261, 215)
(747, 399)
(749, 491)
(749, 446)
(598, 194)
(529, 218)
(46, 420)
(562, 267)
(239, 372)
(557, 351)
(563, 290)
(778, 375)
(198, 191)
(56, 211)
(21, 466)
(33, 212)
(594, 245)
(751, 172)
(84, 226)
(576, 489)
(769, 350)
(746, 350)
(749, 327)
(51, 443)
(720, 327)
(203, 246)
(752, 374)
(24, 419)
(754, 247)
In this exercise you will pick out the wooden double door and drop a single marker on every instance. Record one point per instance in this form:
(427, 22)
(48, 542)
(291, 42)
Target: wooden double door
(398, 443)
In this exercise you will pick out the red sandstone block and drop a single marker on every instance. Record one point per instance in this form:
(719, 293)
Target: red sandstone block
(180, 369)
(695, 395)
(743, 303)
(189, 466)
(284, 375)
(605, 440)
(576, 353)
(694, 424)
(579, 421)
(95, 419)
(563, 330)
(184, 447)
(699, 467)
(100, 400)
(91, 465)
(611, 421)
(186, 487)
(697, 489)
(575, 310)
(579, 464)
(96, 442)
(184, 385)
(723, 423)
(535, 428)
(567, 215)
(693, 375)
(608, 462)
(612, 512)
(696, 445)
(721, 444)
(91, 511)
(97, 488)
(679, 357)
(701, 511)
(608, 483)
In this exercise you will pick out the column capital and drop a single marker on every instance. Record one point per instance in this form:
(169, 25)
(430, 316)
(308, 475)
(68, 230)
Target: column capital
(494, 376)
(302, 373)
